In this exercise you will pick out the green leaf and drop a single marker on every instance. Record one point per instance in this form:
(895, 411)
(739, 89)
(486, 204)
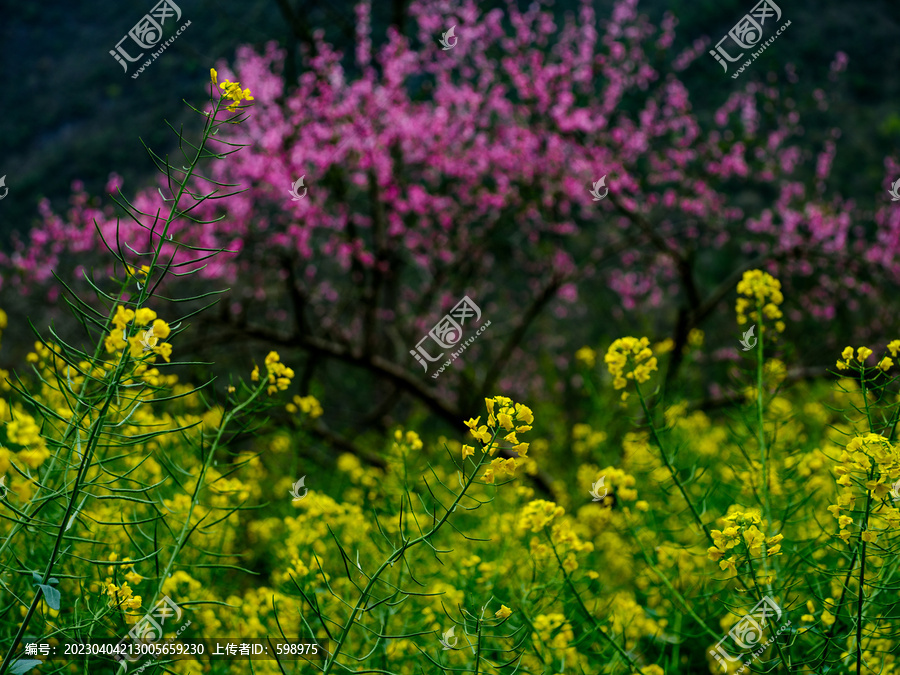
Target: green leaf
(51, 595)
(23, 666)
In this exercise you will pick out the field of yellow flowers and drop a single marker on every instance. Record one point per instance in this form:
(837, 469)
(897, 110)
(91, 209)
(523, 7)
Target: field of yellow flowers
(759, 537)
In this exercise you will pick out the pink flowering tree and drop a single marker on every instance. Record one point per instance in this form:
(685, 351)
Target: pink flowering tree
(442, 173)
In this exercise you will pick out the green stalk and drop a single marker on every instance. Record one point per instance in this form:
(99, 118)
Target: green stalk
(668, 584)
(860, 600)
(763, 450)
(584, 608)
(784, 660)
(478, 642)
(863, 528)
(182, 536)
(672, 472)
(837, 609)
(396, 556)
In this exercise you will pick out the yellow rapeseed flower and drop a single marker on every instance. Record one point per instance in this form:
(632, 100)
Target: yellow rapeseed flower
(279, 375)
(235, 93)
(633, 352)
(538, 514)
(741, 535)
(139, 274)
(587, 356)
(761, 290)
(503, 612)
(122, 317)
(503, 413)
(143, 316)
(309, 405)
(695, 337)
(652, 670)
(862, 353)
(161, 329)
(872, 463)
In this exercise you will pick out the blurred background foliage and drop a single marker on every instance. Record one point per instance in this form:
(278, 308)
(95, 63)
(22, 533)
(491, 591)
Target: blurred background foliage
(77, 116)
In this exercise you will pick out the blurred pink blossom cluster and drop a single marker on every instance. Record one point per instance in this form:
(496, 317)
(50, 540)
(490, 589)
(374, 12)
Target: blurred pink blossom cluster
(432, 171)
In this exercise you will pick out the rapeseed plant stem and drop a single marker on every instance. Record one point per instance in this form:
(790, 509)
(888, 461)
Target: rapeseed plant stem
(398, 554)
(864, 526)
(145, 289)
(478, 642)
(186, 529)
(759, 596)
(862, 577)
(761, 434)
(585, 610)
(838, 607)
(665, 458)
(684, 603)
